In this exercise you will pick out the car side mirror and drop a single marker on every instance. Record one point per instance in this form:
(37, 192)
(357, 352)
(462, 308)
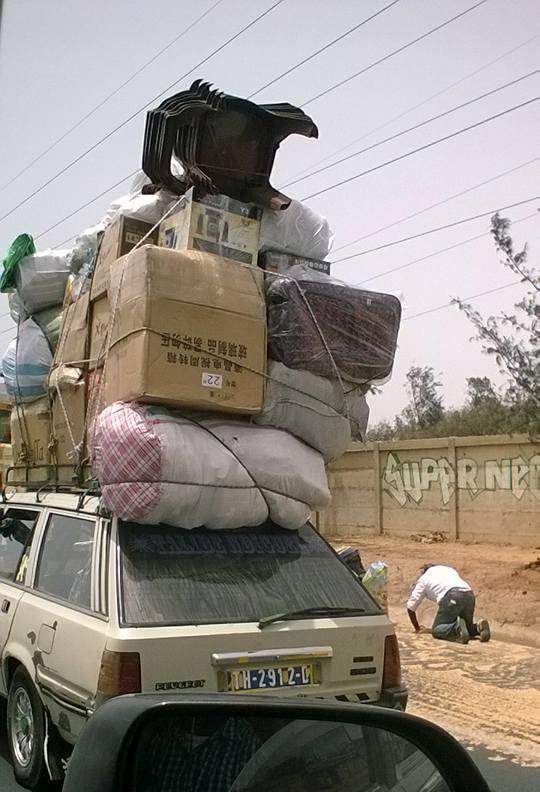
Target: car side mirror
(226, 743)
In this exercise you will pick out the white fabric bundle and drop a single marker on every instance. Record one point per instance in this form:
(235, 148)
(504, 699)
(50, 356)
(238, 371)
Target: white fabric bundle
(313, 408)
(16, 308)
(155, 467)
(297, 230)
(26, 363)
(41, 280)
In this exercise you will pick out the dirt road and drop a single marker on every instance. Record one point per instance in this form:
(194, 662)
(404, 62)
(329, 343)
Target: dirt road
(484, 694)
(506, 579)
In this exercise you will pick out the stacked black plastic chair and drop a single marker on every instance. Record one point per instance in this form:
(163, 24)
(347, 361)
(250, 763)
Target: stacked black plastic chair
(225, 144)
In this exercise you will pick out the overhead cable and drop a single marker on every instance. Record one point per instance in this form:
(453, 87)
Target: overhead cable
(437, 252)
(465, 299)
(139, 111)
(422, 148)
(419, 104)
(436, 204)
(323, 49)
(412, 128)
(391, 54)
(111, 94)
(435, 230)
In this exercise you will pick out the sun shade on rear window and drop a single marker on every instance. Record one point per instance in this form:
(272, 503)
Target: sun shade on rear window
(172, 576)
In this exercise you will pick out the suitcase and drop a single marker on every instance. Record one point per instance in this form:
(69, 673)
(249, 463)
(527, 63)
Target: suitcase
(360, 328)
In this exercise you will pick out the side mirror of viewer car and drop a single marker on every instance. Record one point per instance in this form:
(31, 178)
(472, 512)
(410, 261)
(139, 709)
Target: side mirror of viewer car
(227, 743)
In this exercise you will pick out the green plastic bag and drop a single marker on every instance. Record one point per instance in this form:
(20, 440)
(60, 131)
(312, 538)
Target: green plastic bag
(22, 246)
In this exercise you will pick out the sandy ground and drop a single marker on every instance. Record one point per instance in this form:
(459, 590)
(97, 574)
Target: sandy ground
(506, 587)
(484, 694)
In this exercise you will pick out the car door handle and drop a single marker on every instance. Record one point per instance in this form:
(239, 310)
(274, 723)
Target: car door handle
(5, 605)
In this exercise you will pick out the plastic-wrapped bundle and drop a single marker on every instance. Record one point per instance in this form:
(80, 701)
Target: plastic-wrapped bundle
(321, 324)
(41, 280)
(50, 323)
(156, 467)
(16, 308)
(298, 230)
(313, 408)
(149, 207)
(85, 247)
(26, 363)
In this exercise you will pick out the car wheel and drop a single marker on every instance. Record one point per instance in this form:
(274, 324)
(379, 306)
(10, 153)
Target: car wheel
(26, 733)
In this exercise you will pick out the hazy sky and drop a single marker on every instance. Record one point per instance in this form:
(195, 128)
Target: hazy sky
(60, 58)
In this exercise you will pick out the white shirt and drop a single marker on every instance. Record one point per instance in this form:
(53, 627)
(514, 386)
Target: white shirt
(434, 584)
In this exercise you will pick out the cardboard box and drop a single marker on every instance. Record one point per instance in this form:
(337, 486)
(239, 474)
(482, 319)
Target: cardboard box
(119, 238)
(72, 346)
(30, 438)
(189, 331)
(215, 224)
(72, 386)
(280, 263)
(99, 327)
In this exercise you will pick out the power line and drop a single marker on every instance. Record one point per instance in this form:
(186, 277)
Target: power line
(434, 230)
(438, 252)
(421, 148)
(323, 49)
(110, 95)
(412, 128)
(391, 54)
(420, 104)
(436, 204)
(472, 297)
(140, 110)
(84, 205)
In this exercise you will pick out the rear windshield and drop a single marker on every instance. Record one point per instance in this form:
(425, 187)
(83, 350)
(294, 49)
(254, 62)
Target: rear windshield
(172, 576)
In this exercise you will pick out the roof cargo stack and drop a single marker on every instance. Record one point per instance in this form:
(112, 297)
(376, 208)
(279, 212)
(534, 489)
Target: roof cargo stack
(191, 356)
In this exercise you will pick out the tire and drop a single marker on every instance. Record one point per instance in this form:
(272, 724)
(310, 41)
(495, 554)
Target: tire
(26, 723)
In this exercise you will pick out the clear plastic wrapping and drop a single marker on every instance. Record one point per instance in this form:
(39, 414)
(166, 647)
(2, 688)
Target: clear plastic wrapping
(297, 230)
(26, 363)
(331, 328)
(41, 280)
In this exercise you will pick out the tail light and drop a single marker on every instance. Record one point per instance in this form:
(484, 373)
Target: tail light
(120, 673)
(392, 663)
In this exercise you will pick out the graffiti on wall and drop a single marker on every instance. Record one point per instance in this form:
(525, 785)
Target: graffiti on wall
(409, 480)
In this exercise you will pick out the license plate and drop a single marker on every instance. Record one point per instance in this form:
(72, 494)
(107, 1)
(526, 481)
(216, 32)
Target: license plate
(270, 678)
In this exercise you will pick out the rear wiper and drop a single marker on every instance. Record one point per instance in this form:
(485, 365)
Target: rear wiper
(322, 610)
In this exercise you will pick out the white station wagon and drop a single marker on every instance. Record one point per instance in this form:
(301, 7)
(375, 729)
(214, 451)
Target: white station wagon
(91, 608)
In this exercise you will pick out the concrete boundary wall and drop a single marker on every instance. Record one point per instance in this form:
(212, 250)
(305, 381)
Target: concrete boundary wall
(474, 489)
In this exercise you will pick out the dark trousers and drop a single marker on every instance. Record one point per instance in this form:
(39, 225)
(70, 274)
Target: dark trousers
(455, 604)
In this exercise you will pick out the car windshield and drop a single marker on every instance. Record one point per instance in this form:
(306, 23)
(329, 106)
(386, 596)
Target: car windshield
(172, 576)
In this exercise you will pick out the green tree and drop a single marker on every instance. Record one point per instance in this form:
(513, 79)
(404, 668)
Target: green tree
(513, 338)
(481, 391)
(425, 407)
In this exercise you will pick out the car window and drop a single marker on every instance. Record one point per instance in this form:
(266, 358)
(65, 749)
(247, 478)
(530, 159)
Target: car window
(16, 531)
(65, 564)
(172, 576)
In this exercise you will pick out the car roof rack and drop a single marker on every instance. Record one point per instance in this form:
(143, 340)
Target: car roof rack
(49, 483)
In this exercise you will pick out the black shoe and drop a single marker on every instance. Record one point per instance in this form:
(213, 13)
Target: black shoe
(483, 630)
(462, 632)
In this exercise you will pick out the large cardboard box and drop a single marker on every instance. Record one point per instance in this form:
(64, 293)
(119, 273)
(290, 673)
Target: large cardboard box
(68, 418)
(30, 438)
(189, 331)
(72, 346)
(215, 224)
(119, 238)
(99, 327)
